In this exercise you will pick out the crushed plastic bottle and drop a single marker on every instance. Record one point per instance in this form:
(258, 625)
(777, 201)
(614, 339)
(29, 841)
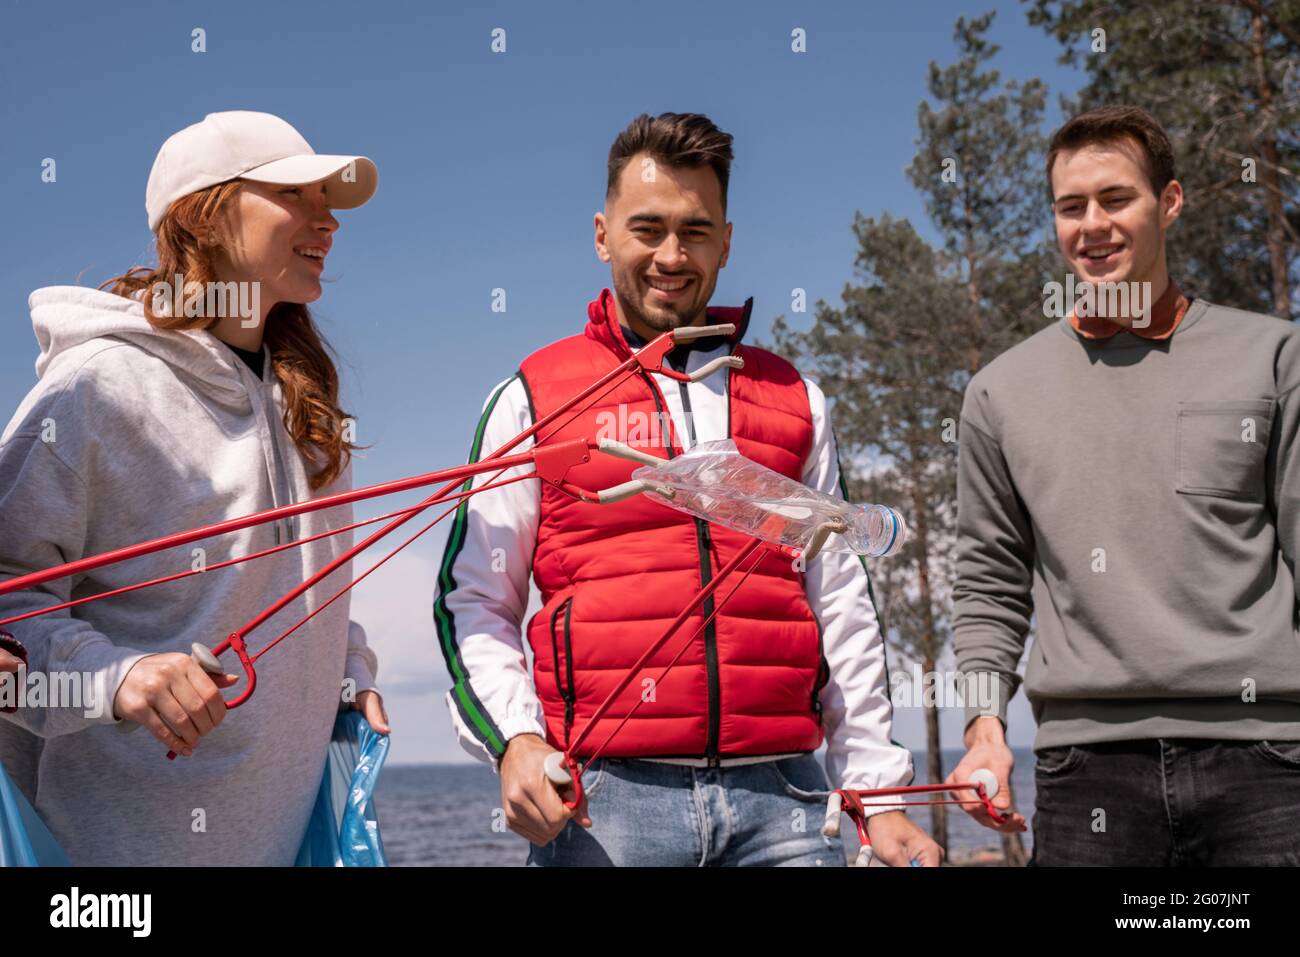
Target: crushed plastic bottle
(713, 481)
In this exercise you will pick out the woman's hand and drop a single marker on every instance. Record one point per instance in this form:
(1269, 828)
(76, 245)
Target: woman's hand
(371, 706)
(174, 698)
(10, 651)
(12, 658)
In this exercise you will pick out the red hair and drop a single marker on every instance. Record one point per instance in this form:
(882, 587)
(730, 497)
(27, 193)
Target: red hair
(300, 357)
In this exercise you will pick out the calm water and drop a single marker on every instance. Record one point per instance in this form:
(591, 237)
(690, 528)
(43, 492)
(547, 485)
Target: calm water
(443, 814)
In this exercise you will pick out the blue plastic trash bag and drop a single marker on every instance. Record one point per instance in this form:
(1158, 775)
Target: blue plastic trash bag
(343, 830)
(25, 841)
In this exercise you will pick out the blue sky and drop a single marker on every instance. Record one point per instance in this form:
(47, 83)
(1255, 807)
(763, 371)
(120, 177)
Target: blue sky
(491, 168)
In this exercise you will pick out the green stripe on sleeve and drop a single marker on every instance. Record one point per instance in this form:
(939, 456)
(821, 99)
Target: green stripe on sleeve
(471, 709)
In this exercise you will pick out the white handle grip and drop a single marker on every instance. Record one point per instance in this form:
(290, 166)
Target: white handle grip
(987, 778)
(205, 659)
(556, 772)
(831, 826)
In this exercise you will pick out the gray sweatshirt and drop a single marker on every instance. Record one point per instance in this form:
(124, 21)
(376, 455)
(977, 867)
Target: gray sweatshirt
(1143, 499)
(129, 434)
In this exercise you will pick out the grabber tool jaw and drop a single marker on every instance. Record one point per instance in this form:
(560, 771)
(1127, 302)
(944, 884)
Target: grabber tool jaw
(819, 538)
(712, 366)
(687, 333)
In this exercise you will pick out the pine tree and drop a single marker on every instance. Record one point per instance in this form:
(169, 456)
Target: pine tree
(1223, 78)
(897, 356)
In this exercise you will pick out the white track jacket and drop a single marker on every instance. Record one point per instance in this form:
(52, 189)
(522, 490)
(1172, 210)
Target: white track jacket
(484, 588)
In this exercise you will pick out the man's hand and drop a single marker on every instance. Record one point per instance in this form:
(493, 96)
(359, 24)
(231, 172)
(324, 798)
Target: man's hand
(986, 747)
(534, 809)
(897, 840)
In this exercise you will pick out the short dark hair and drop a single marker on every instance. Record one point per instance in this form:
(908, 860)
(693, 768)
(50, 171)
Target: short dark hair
(674, 139)
(1117, 124)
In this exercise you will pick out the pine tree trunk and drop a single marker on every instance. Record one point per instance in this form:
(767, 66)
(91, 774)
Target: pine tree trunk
(1270, 179)
(975, 347)
(934, 756)
(934, 759)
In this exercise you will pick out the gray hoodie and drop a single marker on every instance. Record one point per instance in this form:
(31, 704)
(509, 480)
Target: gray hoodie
(132, 433)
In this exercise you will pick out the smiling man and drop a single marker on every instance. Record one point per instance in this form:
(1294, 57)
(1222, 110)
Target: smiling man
(1134, 479)
(716, 764)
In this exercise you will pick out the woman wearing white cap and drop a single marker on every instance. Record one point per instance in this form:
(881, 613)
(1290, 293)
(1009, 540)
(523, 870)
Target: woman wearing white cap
(171, 398)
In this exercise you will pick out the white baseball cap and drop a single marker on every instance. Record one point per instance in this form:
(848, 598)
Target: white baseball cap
(258, 146)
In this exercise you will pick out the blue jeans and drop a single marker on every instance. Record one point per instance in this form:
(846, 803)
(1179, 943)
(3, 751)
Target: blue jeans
(1163, 802)
(645, 814)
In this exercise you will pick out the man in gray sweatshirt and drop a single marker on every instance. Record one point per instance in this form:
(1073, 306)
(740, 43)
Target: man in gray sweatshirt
(1131, 474)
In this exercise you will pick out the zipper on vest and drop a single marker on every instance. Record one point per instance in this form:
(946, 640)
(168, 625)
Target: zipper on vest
(705, 544)
(564, 687)
(686, 400)
(710, 644)
(702, 544)
(571, 697)
(823, 673)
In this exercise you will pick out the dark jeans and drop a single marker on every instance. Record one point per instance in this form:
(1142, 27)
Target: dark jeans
(1168, 802)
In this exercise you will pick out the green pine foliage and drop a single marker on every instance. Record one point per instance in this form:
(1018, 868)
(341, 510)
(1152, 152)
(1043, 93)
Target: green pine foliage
(1223, 78)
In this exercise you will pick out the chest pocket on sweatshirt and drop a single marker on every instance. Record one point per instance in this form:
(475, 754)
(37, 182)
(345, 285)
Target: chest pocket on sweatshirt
(1221, 447)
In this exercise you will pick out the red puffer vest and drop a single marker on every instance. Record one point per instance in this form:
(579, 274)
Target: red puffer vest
(613, 577)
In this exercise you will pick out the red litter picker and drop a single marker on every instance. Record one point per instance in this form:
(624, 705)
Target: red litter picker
(713, 481)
